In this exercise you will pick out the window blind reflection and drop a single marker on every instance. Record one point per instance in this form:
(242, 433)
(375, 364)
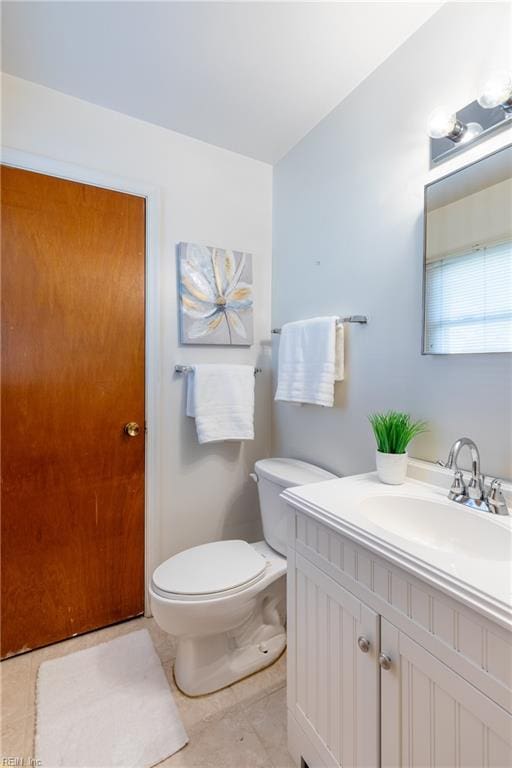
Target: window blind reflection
(468, 302)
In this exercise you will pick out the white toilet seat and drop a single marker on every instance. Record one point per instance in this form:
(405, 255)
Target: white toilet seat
(209, 571)
(208, 597)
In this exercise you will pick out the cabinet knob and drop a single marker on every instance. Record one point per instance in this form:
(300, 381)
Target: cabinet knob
(384, 661)
(363, 643)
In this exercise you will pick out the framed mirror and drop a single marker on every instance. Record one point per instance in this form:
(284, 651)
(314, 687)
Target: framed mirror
(467, 274)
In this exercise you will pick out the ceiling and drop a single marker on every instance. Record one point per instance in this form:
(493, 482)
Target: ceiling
(253, 77)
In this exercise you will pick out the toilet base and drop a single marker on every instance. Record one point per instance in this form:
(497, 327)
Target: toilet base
(207, 664)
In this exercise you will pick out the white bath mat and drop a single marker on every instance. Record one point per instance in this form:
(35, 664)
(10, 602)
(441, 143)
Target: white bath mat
(107, 706)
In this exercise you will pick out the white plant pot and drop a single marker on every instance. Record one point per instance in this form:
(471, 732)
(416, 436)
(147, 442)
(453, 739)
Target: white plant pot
(392, 467)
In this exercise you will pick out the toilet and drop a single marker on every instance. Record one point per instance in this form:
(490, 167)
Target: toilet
(225, 601)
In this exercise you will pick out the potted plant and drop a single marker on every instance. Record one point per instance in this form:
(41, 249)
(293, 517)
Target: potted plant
(393, 432)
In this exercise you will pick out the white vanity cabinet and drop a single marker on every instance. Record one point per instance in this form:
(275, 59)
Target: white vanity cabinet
(445, 698)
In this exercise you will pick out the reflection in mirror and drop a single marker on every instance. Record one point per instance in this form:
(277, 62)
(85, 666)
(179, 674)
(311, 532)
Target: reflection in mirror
(468, 259)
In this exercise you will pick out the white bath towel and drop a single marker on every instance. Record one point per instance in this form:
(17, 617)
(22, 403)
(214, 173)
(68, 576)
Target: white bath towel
(221, 399)
(308, 363)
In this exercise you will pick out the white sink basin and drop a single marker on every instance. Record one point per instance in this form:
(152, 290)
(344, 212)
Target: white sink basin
(465, 551)
(445, 527)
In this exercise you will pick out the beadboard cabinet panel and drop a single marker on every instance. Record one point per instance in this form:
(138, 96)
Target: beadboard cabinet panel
(432, 717)
(334, 695)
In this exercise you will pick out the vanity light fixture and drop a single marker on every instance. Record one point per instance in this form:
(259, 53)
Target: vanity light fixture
(452, 131)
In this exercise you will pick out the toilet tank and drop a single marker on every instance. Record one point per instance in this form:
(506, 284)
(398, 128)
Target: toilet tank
(273, 476)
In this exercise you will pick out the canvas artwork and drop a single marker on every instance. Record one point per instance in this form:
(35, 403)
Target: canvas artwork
(215, 287)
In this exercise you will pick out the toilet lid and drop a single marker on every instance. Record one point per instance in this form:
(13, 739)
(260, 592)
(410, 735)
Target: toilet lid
(209, 568)
(290, 472)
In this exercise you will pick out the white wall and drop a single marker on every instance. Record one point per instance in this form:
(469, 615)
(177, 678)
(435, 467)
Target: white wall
(208, 195)
(348, 218)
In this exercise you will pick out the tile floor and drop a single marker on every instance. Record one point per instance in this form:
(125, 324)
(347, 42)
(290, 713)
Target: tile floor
(243, 726)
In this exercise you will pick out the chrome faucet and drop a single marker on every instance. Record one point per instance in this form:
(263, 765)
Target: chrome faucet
(475, 488)
(474, 494)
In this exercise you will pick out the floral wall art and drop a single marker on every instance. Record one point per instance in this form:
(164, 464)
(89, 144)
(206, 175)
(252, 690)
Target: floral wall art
(215, 287)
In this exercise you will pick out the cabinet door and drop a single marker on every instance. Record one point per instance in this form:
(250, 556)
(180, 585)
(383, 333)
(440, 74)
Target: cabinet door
(432, 717)
(333, 687)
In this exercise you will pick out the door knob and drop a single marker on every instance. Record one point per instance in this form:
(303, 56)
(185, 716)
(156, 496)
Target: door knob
(132, 429)
(384, 661)
(363, 643)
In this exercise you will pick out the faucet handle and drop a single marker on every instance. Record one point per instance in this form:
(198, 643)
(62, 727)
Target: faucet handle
(496, 500)
(458, 486)
(475, 489)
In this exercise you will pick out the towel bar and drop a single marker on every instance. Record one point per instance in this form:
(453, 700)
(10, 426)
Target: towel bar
(189, 368)
(361, 319)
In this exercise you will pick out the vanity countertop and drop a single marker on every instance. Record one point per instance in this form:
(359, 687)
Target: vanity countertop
(465, 553)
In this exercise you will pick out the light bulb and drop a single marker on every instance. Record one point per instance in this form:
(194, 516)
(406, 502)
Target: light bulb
(472, 131)
(496, 91)
(440, 123)
(444, 124)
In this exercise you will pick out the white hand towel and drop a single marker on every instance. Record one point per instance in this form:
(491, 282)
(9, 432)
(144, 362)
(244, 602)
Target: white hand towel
(307, 362)
(221, 398)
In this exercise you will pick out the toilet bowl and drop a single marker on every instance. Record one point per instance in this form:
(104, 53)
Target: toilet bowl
(226, 601)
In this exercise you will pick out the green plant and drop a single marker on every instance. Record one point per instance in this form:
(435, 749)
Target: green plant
(394, 430)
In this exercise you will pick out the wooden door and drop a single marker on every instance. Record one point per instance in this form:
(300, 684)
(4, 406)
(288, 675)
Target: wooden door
(73, 263)
(333, 686)
(432, 717)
